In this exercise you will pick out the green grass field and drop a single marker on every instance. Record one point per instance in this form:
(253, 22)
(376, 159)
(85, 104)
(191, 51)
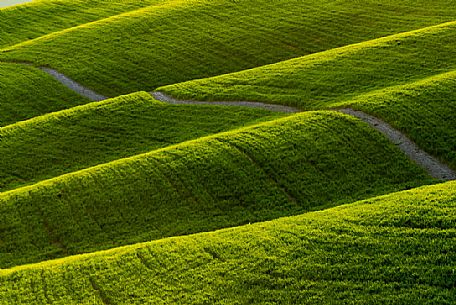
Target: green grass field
(326, 79)
(425, 110)
(26, 92)
(135, 201)
(395, 249)
(200, 38)
(48, 16)
(273, 169)
(62, 142)
(412, 87)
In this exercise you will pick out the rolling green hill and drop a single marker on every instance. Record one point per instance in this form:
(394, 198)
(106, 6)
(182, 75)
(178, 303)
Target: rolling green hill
(425, 110)
(26, 92)
(135, 201)
(326, 79)
(395, 249)
(283, 167)
(179, 40)
(84, 136)
(408, 80)
(48, 16)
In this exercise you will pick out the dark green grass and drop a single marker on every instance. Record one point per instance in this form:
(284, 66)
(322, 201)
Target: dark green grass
(96, 133)
(424, 110)
(395, 249)
(324, 79)
(32, 20)
(179, 40)
(257, 173)
(26, 92)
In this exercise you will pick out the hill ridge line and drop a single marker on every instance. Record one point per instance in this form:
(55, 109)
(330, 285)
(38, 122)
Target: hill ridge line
(433, 167)
(82, 25)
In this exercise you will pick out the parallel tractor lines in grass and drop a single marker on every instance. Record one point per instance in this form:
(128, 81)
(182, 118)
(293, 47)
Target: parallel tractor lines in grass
(179, 40)
(278, 168)
(394, 249)
(30, 21)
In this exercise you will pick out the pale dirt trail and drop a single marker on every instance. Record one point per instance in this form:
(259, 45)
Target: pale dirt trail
(71, 84)
(434, 167)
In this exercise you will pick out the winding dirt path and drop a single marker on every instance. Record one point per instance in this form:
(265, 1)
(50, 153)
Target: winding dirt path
(434, 167)
(271, 107)
(76, 87)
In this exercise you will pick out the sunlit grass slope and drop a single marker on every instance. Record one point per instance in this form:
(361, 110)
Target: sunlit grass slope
(328, 78)
(26, 92)
(394, 249)
(397, 78)
(32, 20)
(179, 40)
(262, 172)
(96, 133)
(425, 110)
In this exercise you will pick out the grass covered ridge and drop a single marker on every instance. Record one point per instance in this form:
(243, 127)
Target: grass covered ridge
(398, 248)
(326, 79)
(48, 16)
(26, 92)
(257, 173)
(134, 51)
(425, 110)
(95, 133)
(412, 87)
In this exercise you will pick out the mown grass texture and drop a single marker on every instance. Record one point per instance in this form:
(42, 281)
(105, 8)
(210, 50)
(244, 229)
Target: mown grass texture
(394, 249)
(179, 40)
(100, 132)
(262, 172)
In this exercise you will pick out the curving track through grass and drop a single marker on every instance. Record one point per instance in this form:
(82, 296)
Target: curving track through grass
(135, 50)
(278, 168)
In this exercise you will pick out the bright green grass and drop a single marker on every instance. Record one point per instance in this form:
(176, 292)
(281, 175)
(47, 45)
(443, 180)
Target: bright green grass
(328, 78)
(425, 110)
(96, 133)
(21, 23)
(394, 249)
(179, 40)
(397, 78)
(262, 172)
(26, 92)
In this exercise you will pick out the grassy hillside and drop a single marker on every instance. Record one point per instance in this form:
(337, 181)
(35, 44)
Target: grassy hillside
(278, 168)
(395, 249)
(179, 40)
(408, 79)
(47, 16)
(425, 110)
(26, 92)
(327, 78)
(96, 133)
